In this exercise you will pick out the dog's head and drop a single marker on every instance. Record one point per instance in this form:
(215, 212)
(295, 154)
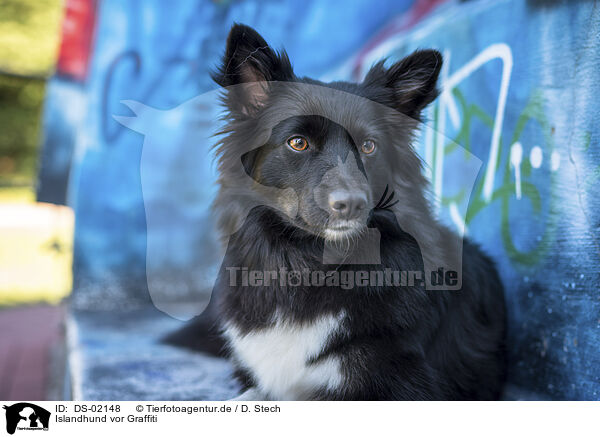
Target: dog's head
(335, 146)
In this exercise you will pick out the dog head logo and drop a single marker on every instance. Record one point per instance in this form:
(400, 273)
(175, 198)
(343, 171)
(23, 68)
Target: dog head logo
(26, 416)
(334, 160)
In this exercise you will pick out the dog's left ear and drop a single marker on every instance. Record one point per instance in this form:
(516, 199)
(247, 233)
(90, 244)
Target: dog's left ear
(250, 64)
(413, 80)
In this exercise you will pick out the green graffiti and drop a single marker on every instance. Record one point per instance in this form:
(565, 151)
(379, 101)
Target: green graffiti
(533, 112)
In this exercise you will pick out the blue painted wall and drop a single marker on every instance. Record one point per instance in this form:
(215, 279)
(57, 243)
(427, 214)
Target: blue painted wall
(519, 82)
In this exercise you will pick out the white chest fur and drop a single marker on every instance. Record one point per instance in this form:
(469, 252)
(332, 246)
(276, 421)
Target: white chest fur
(279, 356)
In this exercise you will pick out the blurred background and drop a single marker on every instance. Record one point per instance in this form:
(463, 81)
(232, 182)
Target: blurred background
(105, 224)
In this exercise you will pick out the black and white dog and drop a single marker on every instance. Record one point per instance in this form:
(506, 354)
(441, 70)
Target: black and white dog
(338, 160)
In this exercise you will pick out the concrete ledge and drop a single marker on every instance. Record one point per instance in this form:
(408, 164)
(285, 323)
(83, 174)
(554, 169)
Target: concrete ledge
(118, 356)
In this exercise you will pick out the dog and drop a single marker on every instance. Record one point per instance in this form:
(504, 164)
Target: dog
(326, 169)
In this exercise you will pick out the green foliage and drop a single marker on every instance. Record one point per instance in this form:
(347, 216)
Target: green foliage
(20, 119)
(29, 37)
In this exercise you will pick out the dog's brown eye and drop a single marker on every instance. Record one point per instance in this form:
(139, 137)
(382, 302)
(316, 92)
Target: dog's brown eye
(299, 144)
(368, 147)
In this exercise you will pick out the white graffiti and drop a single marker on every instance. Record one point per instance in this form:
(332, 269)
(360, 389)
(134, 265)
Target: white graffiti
(495, 51)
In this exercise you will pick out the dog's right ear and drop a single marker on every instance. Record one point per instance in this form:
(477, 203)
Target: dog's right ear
(249, 64)
(413, 80)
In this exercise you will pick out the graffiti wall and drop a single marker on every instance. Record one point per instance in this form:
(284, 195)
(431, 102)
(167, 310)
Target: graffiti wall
(518, 87)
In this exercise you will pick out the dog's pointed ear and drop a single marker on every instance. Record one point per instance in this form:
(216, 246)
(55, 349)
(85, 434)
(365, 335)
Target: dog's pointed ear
(413, 80)
(249, 64)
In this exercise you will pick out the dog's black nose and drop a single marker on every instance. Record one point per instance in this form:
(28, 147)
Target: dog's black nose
(347, 205)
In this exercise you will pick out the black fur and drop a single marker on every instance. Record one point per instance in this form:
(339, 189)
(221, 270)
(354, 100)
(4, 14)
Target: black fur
(395, 343)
